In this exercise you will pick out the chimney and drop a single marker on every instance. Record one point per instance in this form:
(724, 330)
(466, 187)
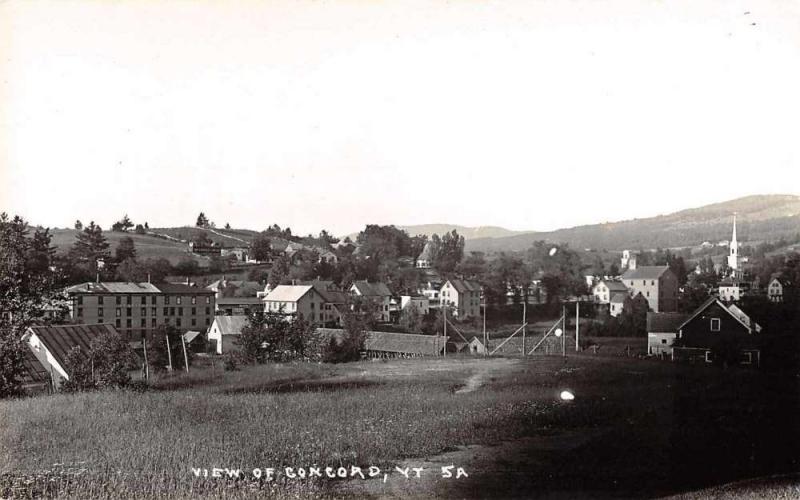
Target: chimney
(148, 277)
(97, 277)
(187, 281)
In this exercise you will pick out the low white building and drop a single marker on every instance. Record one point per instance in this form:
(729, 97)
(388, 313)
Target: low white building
(224, 332)
(617, 303)
(662, 329)
(605, 289)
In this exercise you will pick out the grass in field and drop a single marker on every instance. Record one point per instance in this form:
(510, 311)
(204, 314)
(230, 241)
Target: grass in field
(146, 246)
(654, 422)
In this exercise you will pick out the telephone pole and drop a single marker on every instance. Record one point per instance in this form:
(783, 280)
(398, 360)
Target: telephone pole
(577, 324)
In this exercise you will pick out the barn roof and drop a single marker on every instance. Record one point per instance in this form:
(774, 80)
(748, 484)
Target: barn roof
(401, 343)
(736, 313)
(189, 336)
(60, 340)
(665, 322)
(230, 325)
(407, 343)
(645, 273)
(33, 371)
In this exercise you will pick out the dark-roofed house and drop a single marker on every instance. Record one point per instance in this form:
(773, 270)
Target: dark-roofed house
(51, 344)
(377, 292)
(716, 327)
(462, 297)
(35, 376)
(657, 284)
(224, 331)
(662, 328)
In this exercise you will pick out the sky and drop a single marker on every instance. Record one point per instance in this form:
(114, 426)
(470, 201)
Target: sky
(531, 115)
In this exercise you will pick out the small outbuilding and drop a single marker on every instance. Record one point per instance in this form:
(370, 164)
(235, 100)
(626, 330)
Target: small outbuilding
(224, 332)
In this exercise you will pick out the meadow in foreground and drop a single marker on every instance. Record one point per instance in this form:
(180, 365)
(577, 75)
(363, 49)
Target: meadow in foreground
(642, 416)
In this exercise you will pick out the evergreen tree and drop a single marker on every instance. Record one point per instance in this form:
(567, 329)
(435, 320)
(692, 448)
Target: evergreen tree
(126, 249)
(27, 285)
(202, 220)
(90, 247)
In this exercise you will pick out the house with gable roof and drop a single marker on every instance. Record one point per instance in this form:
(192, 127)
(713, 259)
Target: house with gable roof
(713, 326)
(296, 301)
(462, 297)
(376, 292)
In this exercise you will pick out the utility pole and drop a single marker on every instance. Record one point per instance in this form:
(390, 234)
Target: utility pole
(524, 322)
(485, 340)
(564, 336)
(185, 357)
(577, 324)
(146, 366)
(169, 352)
(444, 311)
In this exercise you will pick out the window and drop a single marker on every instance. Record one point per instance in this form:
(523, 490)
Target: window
(194, 311)
(180, 311)
(99, 320)
(128, 323)
(153, 300)
(194, 300)
(321, 317)
(178, 322)
(652, 282)
(119, 311)
(100, 311)
(80, 312)
(178, 300)
(166, 311)
(172, 311)
(153, 311)
(118, 323)
(129, 300)
(747, 358)
(208, 321)
(663, 341)
(80, 299)
(100, 300)
(208, 300)
(129, 312)
(143, 323)
(709, 357)
(166, 299)
(715, 324)
(153, 322)
(194, 322)
(144, 311)
(208, 310)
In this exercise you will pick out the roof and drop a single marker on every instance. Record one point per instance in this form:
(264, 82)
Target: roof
(327, 290)
(235, 283)
(462, 286)
(619, 297)
(408, 343)
(377, 289)
(230, 325)
(405, 343)
(113, 287)
(614, 286)
(239, 300)
(185, 289)
(189, 336)
(60, 340)
(780, 279)
(665, 322)
(288, 293)
(645, 273)
(32, 370)
(426, 252)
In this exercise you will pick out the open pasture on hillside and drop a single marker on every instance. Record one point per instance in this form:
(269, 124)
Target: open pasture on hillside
(635, 428)
(146, 246)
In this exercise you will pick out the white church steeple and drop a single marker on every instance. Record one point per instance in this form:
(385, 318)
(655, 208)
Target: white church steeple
(733, 255)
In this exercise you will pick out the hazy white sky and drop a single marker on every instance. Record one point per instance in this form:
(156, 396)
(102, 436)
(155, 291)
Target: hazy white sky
(334, 114)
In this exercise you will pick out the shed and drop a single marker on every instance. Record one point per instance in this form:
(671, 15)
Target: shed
(224, 331)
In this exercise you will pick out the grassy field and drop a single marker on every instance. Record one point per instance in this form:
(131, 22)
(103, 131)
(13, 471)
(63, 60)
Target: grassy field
(636, 429)
(146, 246)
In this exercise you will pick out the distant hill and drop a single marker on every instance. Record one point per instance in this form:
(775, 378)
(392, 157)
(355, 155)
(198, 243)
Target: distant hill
(759, 217)
(469, 233)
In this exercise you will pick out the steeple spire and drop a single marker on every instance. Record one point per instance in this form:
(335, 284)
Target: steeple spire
(733, 254)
